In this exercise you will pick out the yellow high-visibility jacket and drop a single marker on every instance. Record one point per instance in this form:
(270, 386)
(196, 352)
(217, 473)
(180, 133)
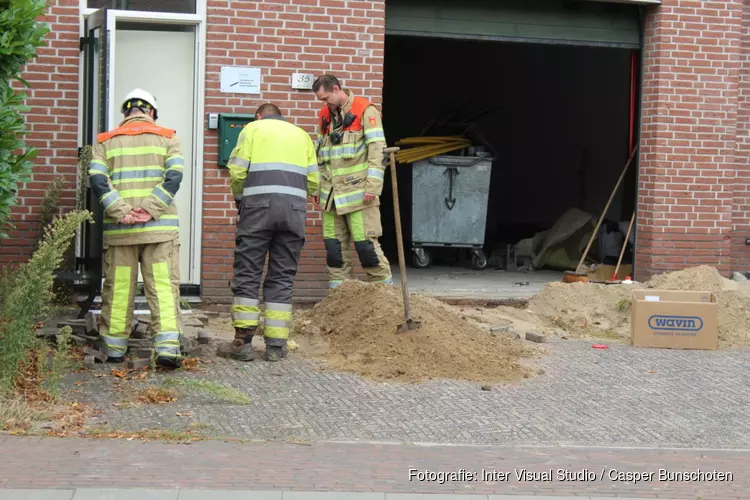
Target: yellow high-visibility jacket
(273, 156)
(354, 165)
(138, 164)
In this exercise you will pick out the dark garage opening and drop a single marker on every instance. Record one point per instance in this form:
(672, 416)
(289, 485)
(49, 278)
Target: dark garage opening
(561, 125)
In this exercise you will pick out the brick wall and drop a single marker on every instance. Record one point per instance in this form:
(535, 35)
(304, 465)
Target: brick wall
(687, 160)
(741, 210)
(344, 37)
(694, 200)
(53, 126)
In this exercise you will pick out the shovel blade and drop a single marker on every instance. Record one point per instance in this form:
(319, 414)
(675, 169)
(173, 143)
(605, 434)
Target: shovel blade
(409, 325)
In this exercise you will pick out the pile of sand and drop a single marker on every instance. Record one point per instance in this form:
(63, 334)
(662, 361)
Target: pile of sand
(733, 296)
(584, 309)
(603, 311)
(357, 324)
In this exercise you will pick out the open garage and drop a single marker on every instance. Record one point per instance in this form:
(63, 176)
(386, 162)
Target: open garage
(550, 91)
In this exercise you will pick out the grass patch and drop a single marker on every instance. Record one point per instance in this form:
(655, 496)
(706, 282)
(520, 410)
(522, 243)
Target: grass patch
(605, 334)
(16, 414)
(226, 393)
(623, 305)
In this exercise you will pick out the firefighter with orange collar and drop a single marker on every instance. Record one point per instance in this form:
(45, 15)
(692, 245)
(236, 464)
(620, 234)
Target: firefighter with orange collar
(350, 151)
(135, 173)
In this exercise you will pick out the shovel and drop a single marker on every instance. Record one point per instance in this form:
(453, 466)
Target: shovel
(410, 323)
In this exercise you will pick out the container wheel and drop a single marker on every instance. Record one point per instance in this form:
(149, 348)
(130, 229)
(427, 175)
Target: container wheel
(421, 258)
(478, 260)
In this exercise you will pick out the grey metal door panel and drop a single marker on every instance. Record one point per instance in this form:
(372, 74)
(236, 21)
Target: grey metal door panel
(539, 21)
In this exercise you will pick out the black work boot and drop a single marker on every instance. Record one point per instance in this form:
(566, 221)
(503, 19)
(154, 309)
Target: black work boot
(172, 362)
(242, 345)
(276, 349)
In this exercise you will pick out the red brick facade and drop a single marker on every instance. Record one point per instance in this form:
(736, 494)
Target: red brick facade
(694, 200)
(282, 38)
(53, 126)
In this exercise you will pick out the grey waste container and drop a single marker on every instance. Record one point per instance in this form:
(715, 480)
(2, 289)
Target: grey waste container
(449, 205)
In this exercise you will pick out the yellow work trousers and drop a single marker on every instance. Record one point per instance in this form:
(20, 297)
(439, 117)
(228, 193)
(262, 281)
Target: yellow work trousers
(363, 228)
(161, 282)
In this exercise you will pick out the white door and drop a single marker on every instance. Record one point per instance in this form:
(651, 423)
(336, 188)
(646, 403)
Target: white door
(163, 63)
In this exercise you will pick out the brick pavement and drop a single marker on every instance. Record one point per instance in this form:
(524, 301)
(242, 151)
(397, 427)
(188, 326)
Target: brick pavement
(361, 467)
(621, 396)
(186, 494)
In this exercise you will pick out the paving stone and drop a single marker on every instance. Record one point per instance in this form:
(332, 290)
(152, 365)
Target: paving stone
(89, 362)
(124, 494)
(92, 322)
(229, 495)
(319, 495)
(536, 497)
(535, 337)
(608, 498)
(140, 330)
(24, 494)
(137, 364)
(96, 353)
(436, 496)
(622, 396)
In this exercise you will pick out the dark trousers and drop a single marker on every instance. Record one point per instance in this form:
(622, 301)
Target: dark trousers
(270, 226)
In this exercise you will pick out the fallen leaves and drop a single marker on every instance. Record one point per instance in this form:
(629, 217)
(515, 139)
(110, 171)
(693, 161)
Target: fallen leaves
(136, 374)
(191, 364)
(184, 413)
(70, 420)
(28, 381)
(156, 395)
(147, 435)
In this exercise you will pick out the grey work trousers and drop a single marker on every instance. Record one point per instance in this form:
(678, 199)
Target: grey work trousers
(270, 225)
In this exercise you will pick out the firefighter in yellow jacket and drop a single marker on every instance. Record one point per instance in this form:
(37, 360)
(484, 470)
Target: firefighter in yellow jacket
(135, 173)
(350, 150)
(273, 170)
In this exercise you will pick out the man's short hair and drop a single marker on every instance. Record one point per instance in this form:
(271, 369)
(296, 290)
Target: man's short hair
(268, 109)
(327, 82)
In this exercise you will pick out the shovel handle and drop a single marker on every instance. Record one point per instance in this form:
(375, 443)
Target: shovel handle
(391, 152)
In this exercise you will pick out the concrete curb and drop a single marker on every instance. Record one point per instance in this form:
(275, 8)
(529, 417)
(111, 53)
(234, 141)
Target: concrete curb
(188, 494)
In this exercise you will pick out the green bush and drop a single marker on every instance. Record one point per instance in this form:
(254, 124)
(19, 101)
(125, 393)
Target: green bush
(26, 294)
(20, 36)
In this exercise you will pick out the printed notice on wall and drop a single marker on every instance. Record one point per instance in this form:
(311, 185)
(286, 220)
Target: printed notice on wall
(238, 80)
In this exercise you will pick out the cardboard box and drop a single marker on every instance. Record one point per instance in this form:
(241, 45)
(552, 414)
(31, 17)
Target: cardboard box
(675, 319)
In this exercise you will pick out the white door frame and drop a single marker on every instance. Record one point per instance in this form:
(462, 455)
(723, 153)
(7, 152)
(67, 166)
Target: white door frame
(199, 21)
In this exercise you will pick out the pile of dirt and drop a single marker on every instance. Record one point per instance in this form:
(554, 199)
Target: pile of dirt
(512, 320)
(705, 278)
(733, 297)
(584, 309)
(357, 322)
(603, 311)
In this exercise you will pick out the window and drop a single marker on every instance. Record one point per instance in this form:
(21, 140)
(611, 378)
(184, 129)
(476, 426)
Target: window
(176, 6)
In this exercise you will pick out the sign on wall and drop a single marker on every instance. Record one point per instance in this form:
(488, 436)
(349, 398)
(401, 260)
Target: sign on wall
(302, 81)
(239, 80)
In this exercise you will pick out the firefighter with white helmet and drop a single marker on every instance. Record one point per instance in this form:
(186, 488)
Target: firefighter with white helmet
(135, 172)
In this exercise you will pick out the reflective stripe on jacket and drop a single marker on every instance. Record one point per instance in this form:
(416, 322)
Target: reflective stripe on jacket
(354, 166)
(273, 156)
(139, 164)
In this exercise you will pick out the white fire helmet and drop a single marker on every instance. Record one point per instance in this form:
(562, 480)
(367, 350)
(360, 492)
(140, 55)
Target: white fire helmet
(139, 98)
